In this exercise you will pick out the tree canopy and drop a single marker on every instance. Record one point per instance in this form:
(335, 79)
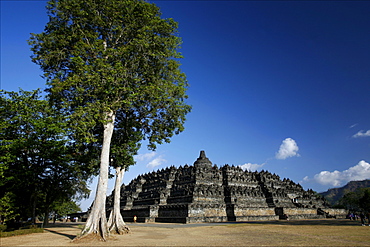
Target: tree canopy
(100, 56)
(38, 166)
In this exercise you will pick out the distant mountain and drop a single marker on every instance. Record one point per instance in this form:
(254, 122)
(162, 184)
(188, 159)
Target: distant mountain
(334, 195)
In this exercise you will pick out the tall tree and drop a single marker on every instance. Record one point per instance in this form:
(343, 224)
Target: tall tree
(106, 58)
(39, 167)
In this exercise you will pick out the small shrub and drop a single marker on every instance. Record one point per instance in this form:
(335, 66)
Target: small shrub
(2, 227)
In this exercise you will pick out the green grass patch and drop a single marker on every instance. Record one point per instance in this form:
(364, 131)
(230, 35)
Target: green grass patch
(81, 227)
(21, 232)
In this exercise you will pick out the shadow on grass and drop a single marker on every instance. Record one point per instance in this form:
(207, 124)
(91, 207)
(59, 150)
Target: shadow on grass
(65, 224)
(70, 236)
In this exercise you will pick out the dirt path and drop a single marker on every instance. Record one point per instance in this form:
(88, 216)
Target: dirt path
(279, 233)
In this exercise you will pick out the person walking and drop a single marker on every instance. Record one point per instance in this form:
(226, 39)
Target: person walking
(362, 217)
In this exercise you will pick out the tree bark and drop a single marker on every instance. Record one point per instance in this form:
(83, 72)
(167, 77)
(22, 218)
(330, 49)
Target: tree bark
(46, 217)
(115, 222)
(97, 220)
(33, 208)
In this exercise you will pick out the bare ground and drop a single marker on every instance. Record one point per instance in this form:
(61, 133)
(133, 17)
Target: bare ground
(273, 233)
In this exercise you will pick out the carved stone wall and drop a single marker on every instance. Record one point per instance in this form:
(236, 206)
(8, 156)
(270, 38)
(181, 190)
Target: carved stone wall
(205, 193)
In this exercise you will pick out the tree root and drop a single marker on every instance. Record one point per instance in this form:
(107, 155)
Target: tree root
(120, 230)
(90, 237)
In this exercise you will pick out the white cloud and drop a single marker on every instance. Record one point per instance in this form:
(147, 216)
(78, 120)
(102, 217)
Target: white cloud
(361, 133)
(145, 157)
(156, 162)
(288, 148)
(328, 178)
(151, 159)
(361, 171)
(251, 167)
(353, 125)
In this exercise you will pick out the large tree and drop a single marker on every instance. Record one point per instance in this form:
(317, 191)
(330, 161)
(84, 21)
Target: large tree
(37, 165)
(104, 59)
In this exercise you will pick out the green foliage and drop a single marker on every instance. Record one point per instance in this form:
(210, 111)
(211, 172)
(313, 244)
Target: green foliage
(2, 227)
(8, 208)
(66, 207)
(39, 165)
(359, 200)
(99, 56)
(364, 201)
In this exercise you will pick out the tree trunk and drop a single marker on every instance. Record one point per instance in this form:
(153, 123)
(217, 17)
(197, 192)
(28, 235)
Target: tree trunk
(33, 208)
(97, 220)
(46, 217)
(47, 209)
(115, 222)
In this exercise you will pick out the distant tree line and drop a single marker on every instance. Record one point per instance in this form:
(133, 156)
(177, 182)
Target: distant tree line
(354, 196)
(356, 201)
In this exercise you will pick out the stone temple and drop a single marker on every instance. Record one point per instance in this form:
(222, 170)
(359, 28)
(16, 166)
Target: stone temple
(205, 193)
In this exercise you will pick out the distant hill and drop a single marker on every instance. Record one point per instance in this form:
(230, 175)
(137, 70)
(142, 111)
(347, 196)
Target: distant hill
(333, 195)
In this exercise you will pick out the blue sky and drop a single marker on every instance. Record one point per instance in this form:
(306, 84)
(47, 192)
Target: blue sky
(276, 85)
